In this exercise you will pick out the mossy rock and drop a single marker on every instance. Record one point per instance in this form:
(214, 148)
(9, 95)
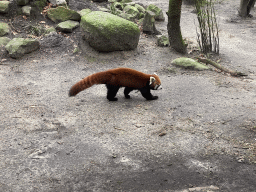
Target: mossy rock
(133, 11)
(159, 13)
(149, 23)
(67, 26)
(107, 32)
(26, 10)
(61, 14)
(4, 6)
(4, 29)
(84, 12)
(140, 8)
(49, 30)
(162, 41)
(118, 5)
(17, 47)
(189, 63)
(39, 4)
(4, 41)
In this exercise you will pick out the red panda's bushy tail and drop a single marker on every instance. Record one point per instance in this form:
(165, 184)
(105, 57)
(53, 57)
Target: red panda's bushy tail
(96, 78)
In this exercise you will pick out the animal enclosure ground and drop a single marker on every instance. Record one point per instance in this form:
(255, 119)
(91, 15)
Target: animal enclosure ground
(199, 133)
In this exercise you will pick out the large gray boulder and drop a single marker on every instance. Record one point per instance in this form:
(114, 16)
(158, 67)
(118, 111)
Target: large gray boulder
(106, 32)
(17, 47)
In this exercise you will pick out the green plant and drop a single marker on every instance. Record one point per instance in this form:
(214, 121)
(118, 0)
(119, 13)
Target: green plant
(208, 38)
(37, 30)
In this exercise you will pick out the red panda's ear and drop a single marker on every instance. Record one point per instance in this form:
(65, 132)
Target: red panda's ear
(151, 80)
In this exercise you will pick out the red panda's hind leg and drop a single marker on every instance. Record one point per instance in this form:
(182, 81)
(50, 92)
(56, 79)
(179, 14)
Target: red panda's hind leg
(127, 90)
(112, 91)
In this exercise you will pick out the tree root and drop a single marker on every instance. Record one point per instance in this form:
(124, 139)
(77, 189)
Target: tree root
(218, 66)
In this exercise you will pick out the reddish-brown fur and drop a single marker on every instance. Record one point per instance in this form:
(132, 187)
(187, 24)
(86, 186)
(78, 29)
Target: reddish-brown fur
(121, 77)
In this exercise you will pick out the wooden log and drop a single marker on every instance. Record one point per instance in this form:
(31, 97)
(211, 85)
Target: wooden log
(220, 67)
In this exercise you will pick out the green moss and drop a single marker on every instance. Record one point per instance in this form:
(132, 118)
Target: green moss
(49, 30)
(140, 8)
(84, 12)
(133, 11)
(60, 14)
(162, 41)
(109, 22)
(157, 11)
(189, 63)
(19, 46)
(4, 5)
(4, 41)
(4, 29)
(76, 50)
(40, 4)
(37, 30)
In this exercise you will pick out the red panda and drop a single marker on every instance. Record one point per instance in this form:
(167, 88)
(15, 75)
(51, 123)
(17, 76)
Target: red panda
(120, 77)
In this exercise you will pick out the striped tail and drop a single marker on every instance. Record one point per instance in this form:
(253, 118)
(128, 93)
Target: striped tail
(96, 78)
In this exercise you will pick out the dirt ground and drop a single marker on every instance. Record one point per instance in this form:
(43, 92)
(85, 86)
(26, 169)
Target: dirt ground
(201, 132)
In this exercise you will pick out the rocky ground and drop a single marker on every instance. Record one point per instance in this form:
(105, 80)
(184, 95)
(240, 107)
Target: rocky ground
(198, 136)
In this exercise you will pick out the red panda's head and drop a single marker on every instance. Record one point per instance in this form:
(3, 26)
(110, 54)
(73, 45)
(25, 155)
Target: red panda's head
(154, 82)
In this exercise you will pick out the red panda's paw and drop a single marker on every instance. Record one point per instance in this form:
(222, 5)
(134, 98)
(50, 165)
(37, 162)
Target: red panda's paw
(153, 98)
(112, 99)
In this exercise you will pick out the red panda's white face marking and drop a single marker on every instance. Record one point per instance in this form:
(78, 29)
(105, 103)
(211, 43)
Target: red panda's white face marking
(151, 80)
(155, 82)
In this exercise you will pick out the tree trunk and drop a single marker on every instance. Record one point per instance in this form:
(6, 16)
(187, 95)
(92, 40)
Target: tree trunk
(245, 7)
(189, 2)
(249, 6)
(173, 26)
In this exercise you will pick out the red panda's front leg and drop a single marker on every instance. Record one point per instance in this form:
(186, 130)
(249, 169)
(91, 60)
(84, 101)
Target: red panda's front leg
(145, 91)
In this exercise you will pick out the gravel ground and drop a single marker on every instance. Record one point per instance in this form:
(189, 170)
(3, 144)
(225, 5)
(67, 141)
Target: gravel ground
(198, 136)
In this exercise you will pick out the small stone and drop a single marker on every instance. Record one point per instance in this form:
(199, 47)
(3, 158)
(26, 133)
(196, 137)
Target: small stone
(58, 2)
(4, 29)
(4, 6)
(139, 125)
(162, 134)
(67, 26)
(26, 10)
